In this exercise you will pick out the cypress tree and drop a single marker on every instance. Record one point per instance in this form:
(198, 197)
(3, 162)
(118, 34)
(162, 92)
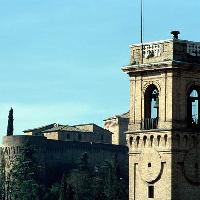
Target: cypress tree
(10, 123)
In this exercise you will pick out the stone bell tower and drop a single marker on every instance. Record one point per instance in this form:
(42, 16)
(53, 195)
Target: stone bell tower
(164, 126)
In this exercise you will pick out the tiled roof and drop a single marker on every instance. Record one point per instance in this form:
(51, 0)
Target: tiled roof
(124, 115)
(40, 128)
(63, 128)
(75, 128)
(92, 128)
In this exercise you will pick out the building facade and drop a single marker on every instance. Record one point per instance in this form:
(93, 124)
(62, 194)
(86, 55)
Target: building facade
(81, 133)
(164, 126)
(118, 125)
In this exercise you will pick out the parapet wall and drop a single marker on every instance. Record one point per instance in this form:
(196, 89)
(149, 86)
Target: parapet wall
(166, 50)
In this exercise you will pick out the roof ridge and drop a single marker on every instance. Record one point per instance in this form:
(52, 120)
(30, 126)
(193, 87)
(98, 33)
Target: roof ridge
(40, 127)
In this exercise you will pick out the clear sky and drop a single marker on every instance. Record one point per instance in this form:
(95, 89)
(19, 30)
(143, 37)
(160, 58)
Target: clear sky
(60, 60)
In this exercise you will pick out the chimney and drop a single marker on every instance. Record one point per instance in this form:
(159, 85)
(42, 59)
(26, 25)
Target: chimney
(175, 34)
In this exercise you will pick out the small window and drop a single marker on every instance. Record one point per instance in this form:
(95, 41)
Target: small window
(68, 136)
(196, 166)
(151, 191)
(79, 136)
(145, 140)
(138, 140)
(131, 141)
(193, 108)
(101, 137)
(149, 164)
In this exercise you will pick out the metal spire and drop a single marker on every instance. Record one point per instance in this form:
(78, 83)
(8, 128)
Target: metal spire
(141, 30)
(141, 18)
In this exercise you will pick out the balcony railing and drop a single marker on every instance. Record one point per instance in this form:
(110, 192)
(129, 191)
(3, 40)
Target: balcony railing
(149, 123)
(194, 123)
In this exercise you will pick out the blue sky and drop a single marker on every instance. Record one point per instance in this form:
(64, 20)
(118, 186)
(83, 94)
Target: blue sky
(60, 60)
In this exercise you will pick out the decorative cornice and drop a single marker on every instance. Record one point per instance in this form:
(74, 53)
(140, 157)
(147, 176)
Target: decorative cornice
(164, 65)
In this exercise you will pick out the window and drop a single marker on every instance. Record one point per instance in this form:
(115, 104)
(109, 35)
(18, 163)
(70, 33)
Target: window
(138, 140)
(79, 136)
(101, 137)
(131, 141)
(68, 136)
(196, 166)
(193, 109)
(151, 102)
(145, 140)
(151, 140)
(151, 191)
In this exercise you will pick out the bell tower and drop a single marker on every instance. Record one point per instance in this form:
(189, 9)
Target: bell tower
(164, 126)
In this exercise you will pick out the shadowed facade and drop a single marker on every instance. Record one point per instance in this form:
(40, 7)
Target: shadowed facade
(56, 157)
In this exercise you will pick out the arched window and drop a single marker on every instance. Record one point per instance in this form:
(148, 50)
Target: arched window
(131, 141)
(145, 140)
(151, 140)
(193, 108)
(151, 101)
(138, 140)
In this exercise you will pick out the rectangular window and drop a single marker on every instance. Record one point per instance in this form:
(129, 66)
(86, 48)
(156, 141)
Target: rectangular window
(79, 136)
(101, 137)
(151, 191)
(68, 136)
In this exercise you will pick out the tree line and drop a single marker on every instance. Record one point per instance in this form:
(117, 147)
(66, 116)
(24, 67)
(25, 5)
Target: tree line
(22, 181)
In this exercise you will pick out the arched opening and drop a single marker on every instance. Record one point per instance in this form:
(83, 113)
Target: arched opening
(185, 140)
(193, 108)
(151, 112)
(165, 138)
(145, 140)
(131, 141)
(158, 139)
(138, 140)
(178, 140)
(196, 166)
(194, 141)
(151, 140)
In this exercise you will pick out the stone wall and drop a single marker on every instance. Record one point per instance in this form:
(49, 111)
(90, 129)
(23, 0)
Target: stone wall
(168, 160)
(57, 156)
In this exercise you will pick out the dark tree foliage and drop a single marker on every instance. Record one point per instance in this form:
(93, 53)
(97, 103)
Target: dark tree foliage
(10, 123)
(66, 190)
(114, 186)
(83, 166)
(23, 176)
(53, 192)
(105, 182)
(98, 188)
(81, 180)
(2, 176)
(83, 183)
